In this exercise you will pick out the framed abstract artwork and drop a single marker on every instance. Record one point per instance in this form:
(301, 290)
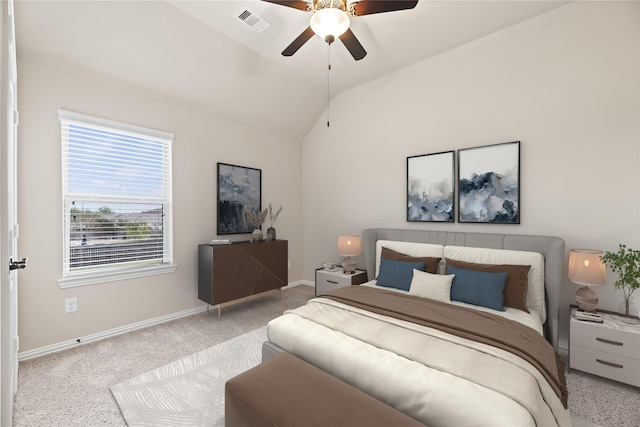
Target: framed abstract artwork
(239, 188)
(489, 184)
(430, 187)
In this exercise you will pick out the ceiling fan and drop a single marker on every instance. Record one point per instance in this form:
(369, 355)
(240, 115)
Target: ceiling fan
(331, 19)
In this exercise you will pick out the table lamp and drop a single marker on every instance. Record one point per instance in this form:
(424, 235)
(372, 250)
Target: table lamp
(348, 246)
(587, 269)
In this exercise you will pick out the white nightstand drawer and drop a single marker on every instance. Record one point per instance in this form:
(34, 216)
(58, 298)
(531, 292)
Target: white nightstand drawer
(603, 338)
(605, 364)
(327, 281)
(328, 284)
(330, 280)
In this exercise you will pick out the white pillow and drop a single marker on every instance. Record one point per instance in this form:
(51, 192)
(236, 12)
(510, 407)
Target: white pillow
(434, 286)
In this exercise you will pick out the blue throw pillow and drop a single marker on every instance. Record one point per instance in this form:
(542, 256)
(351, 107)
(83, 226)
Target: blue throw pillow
(478, 287)
(397, 274)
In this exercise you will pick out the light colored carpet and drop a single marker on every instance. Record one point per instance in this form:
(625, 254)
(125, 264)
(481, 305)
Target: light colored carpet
(71, 388)
(189, 391)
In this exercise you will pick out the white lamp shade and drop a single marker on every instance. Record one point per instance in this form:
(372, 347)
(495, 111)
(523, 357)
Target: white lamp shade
(348, 245)
(329, 21)
(586, 268)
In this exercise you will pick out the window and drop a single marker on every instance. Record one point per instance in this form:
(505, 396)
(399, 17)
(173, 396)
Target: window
(116, 189)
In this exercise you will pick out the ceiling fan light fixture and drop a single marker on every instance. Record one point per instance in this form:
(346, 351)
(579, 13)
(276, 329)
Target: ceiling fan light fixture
(329, 23)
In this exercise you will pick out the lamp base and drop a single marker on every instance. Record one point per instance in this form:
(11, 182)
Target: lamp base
(348, 266)
(587, 299)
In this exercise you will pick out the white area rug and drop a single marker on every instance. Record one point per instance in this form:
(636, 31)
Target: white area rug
(189, 391)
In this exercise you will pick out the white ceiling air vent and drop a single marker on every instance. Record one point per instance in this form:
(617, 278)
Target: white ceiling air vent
(256, 23)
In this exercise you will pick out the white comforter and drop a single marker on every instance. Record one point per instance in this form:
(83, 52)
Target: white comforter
(436, 378)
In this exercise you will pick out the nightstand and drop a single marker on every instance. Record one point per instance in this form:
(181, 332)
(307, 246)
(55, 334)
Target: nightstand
(327, 280)
(610, 349)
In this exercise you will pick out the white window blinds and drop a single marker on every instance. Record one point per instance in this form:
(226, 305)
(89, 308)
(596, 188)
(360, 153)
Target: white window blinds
(116, 185)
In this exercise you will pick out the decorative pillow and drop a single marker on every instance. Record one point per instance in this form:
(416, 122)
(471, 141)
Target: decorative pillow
(431, 263)
(413, 249)
(397, 274)
(434, 286)
(535, 289)
(478, 287)
(515, 288)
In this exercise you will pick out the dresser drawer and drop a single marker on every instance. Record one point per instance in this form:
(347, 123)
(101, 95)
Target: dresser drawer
(604, 364)
(605, 339)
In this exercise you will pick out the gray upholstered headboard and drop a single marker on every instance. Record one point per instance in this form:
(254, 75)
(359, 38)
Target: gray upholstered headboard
(552, 248)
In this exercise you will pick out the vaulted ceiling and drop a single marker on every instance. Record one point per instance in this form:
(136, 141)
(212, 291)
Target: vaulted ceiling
(198, 54)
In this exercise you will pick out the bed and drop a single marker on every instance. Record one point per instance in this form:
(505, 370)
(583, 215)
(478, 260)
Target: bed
(481, 358)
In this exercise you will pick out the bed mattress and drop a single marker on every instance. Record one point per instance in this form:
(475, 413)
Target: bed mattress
(437, 378)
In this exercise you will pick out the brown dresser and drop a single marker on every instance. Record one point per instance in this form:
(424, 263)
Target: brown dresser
(230, 272)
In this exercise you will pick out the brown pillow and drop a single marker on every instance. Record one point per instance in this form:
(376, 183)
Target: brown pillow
(430, 263)
(515, 288)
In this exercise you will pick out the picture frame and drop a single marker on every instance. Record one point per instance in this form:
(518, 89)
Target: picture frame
(239, 188)
(431, 187)
(489, 184)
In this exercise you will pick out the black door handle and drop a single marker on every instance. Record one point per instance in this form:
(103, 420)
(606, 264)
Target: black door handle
(14, 265)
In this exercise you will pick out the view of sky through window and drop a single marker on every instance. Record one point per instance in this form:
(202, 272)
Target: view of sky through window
(113, 164)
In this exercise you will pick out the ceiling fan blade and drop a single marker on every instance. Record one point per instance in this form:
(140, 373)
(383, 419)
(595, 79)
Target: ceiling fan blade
(353, 45)
(298, 42)
(296, 4)
(369, 7)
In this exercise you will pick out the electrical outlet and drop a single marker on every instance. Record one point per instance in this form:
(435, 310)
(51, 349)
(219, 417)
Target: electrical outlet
(70, 305)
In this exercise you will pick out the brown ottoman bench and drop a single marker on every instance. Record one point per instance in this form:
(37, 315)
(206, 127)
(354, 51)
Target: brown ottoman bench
(288, 392)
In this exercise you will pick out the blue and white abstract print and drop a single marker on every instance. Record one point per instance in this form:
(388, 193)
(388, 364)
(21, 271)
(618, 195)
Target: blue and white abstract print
(489, 184)
(430, 187)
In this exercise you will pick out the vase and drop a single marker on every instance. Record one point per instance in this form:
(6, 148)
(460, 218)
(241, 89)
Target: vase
(256, 236)
(629, 308)
(271, 233)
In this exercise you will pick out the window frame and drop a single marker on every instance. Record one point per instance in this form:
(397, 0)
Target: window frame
(115, 273)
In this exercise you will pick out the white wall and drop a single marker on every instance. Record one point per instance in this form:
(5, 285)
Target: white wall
(200, 142)
(565, 84)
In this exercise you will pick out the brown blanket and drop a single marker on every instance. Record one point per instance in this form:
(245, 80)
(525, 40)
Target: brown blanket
(475, 325)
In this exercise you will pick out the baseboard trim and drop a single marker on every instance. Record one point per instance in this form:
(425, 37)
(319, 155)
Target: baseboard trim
(298, 283)
(563, 344)
(65, 345)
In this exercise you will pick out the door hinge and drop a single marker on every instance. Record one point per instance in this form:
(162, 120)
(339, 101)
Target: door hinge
(17, 343)
(16, 117)
(16, 265)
